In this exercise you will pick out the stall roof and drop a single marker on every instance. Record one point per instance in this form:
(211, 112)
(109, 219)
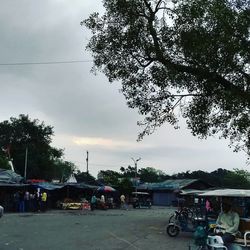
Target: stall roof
(47, 185)
(228, 193)
(168, 184)
(54, 186)
(192, 192)
(81, 185)
(13, 185)
(9, 176)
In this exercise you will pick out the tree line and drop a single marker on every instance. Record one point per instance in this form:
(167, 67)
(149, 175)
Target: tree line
(23, 136)
(221, 178)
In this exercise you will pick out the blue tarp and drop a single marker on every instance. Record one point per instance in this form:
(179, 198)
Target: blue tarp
(10, 177)
(54, 186)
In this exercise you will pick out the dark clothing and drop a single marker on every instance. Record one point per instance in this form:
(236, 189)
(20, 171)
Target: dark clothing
(227, 238)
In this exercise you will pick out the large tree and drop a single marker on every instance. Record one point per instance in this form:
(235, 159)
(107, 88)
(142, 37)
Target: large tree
(192, 54)
(26, 140)
(150, 174)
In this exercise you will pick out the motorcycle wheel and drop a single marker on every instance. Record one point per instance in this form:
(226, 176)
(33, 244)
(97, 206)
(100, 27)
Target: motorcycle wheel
(172, 230)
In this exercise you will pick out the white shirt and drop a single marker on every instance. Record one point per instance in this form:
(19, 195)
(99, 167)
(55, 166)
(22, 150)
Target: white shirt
(230, 221)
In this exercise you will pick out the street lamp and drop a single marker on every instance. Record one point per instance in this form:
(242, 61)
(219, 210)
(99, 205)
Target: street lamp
(135, 162)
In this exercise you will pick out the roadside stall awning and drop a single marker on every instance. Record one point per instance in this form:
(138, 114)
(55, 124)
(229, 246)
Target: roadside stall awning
(192, 192)
(227, 193)
(53, 186)
(16, 185)
(47, 185)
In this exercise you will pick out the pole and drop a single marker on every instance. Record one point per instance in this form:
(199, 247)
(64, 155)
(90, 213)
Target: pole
(26, 162)
(87, 161)
(136, 176)
(135, 162)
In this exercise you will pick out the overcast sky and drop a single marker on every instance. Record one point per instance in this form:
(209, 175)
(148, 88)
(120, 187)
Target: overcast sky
(86, 111)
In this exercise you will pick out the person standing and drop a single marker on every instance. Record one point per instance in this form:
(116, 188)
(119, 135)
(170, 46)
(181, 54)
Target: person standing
(32, 202)
(123, 199)
(93, 202)
(44, 201)
(38, 201)
(27, 201)
(16, 198)
(103, 204)
(21, 202)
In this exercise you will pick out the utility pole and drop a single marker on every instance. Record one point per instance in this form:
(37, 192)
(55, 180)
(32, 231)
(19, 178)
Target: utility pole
(26, 162)
(87, 161)
(135, 162)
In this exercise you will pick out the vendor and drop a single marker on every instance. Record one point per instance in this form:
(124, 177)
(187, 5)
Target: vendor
(229, 223)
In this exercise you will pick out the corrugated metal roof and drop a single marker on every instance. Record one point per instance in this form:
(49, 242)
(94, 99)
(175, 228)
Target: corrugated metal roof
(168, 184)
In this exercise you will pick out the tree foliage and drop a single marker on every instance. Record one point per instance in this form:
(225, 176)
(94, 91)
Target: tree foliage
(4, 163)
(63, 169)
(85, 177)
(21, 135)
(150, 174)
(191, 54)
(238, 178)
(109, 177)
(128, 172)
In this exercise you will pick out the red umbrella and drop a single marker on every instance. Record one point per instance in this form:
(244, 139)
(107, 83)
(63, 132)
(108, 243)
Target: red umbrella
(105, 189)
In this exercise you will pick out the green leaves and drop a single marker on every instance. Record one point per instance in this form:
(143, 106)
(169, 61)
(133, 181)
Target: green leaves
(21, 134)
(192, 54)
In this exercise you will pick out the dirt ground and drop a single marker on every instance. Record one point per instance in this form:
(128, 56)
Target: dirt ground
(98, 230)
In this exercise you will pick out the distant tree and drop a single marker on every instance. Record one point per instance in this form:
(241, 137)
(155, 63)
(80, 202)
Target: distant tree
(150, 174)
(21, 134)
(85, 177)
(217, 177)
(125, 186)
(62, 170)
(128, 172)
(192, 54)
(237, 179)
(182, 175)
(109, 177)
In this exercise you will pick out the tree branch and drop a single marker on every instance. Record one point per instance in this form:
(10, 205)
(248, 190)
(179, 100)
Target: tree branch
(205, 74)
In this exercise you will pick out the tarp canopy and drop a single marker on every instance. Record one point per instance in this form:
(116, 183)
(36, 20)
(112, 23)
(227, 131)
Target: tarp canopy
(81, 185)
(192, 192)
(53, 186)
(168, 184)
(16, 185)
(10, 177)
(227, 193)
(47, 186)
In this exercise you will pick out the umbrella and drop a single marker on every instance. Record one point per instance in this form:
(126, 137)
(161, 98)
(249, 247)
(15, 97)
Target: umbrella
(105, 189)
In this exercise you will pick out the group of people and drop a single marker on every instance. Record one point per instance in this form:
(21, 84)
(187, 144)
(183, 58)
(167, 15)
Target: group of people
(102, 203)
(25, 201)
(94, 202)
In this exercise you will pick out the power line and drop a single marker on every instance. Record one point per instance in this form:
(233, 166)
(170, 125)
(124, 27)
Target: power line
(44, 63)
